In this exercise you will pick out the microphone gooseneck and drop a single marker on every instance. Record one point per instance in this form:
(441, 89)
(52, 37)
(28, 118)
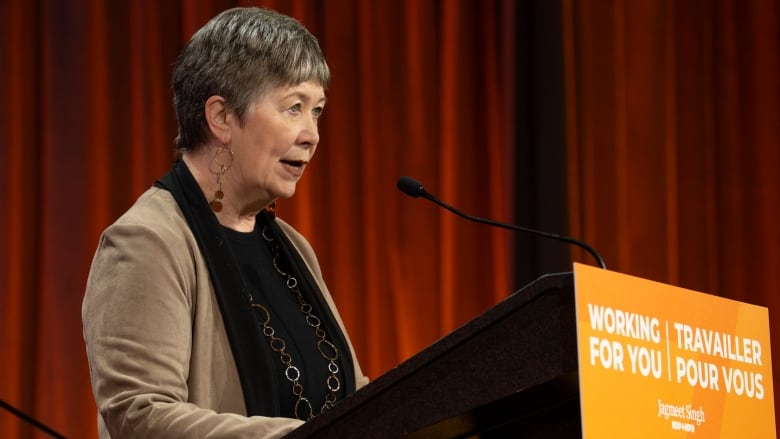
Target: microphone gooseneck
(415, 189)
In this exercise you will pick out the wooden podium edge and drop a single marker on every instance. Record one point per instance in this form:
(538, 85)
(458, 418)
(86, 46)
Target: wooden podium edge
(431, 353)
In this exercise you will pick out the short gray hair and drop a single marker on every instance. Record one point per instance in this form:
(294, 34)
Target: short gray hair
(240, 54)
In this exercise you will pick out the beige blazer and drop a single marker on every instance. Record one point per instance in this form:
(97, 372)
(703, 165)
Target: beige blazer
(159, 357)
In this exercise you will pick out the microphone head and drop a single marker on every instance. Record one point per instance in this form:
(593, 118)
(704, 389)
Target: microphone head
(410, 187)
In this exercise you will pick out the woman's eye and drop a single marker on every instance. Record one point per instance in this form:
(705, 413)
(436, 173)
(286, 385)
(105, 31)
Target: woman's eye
(295, 108)
(317, 112)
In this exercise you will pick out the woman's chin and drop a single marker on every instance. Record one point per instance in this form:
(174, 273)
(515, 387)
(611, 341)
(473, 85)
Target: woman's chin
(285, 192)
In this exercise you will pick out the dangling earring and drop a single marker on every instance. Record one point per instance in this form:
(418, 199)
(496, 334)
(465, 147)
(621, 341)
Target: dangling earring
(221, 162)
(271, 209)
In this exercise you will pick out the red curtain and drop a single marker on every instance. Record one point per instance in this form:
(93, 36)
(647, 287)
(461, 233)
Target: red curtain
(422, 88)
(673, 123)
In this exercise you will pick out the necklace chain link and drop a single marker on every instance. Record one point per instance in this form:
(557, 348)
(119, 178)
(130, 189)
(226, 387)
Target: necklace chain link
(303, 408)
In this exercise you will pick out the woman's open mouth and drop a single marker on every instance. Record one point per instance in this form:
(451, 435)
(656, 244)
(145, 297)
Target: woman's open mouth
(295, 167)
(296, 163)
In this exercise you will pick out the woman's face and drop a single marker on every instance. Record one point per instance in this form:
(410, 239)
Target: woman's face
(275, 143)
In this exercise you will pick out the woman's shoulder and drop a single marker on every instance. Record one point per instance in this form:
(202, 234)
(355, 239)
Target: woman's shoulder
(156, 212)
(296, 237)
(288, 229)
(302, 244)
(154, 206)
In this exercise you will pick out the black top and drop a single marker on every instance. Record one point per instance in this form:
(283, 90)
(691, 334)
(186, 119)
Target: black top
(268, 288)
(255, 366)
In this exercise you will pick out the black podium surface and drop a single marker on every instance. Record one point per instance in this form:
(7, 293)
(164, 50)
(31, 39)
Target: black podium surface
(510, 372)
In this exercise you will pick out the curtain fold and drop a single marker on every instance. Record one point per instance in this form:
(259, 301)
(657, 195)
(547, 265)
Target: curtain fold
(419, 88)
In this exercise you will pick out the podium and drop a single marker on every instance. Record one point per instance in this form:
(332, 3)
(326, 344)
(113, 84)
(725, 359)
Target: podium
(510, 372)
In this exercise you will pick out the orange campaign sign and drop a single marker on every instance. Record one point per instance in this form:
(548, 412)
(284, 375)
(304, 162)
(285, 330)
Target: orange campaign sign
(660, 361)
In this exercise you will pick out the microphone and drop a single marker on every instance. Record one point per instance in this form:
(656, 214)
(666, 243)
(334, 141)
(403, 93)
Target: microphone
(415, 189)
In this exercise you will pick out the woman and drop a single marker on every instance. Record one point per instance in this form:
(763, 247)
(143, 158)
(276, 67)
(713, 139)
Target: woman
(204, 315)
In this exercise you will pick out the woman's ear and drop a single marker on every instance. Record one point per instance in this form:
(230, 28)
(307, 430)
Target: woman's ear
(217, 117)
